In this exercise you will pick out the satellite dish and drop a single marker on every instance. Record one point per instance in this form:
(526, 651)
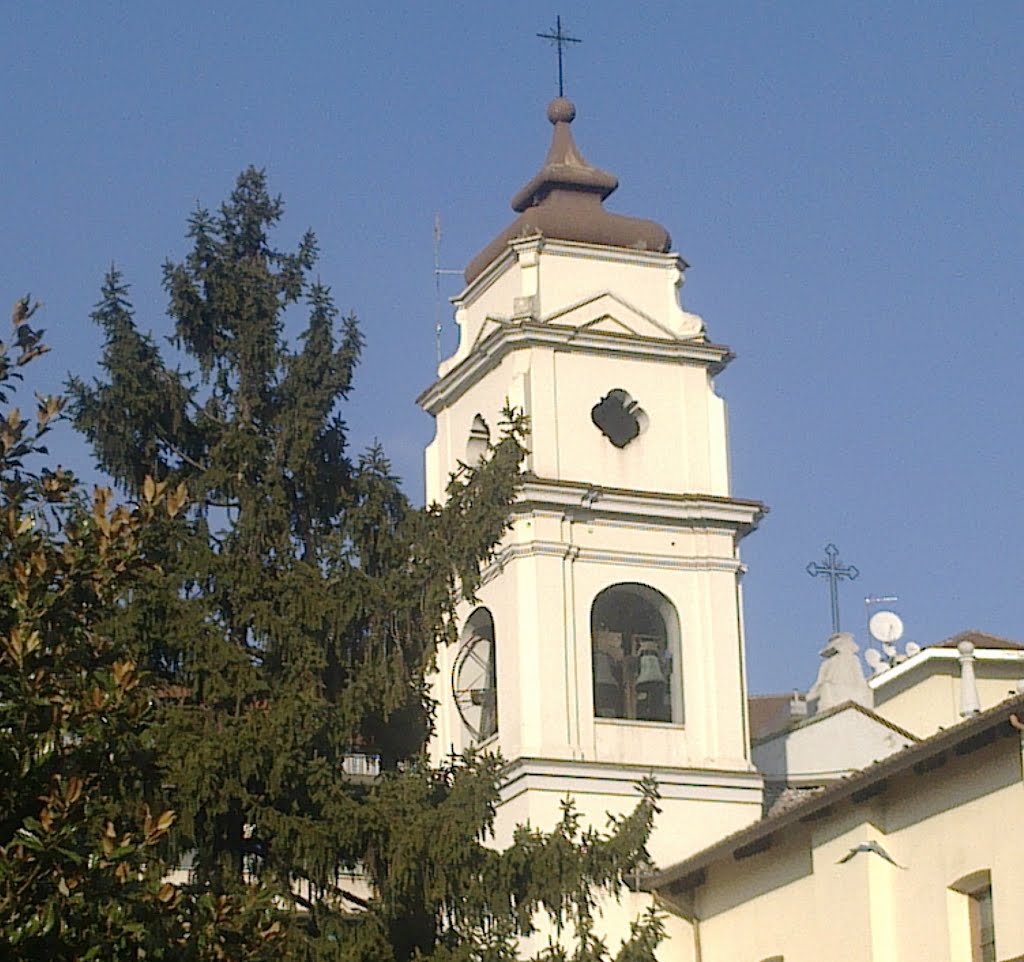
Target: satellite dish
(874, 659)
(912, 648)
(885, 626)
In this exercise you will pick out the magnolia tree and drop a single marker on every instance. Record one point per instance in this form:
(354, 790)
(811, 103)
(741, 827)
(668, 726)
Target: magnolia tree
(83, 824)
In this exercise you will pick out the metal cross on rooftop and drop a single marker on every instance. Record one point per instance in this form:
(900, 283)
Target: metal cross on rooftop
(560, 39)
(834, 570)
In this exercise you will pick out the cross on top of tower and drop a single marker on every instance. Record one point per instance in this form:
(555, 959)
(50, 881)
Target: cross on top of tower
(835, 571)
(560, 40)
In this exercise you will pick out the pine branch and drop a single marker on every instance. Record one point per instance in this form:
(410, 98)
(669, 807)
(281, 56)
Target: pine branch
(178, 452)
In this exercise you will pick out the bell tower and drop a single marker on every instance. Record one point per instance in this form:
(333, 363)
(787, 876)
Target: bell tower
(607, 643)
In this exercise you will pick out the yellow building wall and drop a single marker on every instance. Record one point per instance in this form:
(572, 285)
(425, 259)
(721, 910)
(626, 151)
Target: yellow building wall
(926, 697)
(800, 900)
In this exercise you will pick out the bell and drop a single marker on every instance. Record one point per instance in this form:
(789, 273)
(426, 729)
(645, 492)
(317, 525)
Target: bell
(650, 673)
(651, 689)
(606, 687)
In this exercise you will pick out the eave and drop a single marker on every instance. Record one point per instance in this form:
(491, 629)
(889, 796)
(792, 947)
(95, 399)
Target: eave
(940, 654)
(973, 733)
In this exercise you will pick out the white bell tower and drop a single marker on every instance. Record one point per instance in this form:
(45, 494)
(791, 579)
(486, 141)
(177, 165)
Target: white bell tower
(607, 643)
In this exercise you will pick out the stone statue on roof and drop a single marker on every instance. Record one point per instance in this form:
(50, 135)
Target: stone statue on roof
(840, 677)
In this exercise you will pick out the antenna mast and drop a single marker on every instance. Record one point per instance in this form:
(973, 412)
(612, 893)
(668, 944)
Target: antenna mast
(438, 271)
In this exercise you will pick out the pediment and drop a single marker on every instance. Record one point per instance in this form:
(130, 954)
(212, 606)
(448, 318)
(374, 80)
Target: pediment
(608, 313)
(604, 313)
(489, 325)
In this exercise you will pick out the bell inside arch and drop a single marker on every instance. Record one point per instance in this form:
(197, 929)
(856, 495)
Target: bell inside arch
(651, 672)
(606, 686)
(651, 680)
(633, 652)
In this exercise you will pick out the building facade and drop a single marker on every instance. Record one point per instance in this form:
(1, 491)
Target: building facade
(607, 643)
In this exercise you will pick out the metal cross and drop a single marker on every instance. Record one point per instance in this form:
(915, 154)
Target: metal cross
(834, 571)
(561, 39)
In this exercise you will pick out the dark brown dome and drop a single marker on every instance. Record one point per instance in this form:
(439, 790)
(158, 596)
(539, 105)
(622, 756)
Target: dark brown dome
(564, 202)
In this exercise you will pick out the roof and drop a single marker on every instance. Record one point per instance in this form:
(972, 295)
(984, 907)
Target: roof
(980, 639)
(563, 202)
(973, 731)
(769, 714)
(806, 720)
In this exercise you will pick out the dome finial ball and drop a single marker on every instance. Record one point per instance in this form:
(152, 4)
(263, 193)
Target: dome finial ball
(561, 110)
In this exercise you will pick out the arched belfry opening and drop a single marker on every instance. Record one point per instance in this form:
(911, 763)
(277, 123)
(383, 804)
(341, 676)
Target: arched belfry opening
(478, 442)
(635, 647)
(474, 677)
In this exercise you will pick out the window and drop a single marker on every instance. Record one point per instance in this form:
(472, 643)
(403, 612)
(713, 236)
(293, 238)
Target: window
(983, 929)
(972, 921)
(635, 654)
(474, 677)
(479, 441)
(619, 418)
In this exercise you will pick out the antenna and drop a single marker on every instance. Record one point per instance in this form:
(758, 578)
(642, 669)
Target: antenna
(872, 601)
(886, 628)
(438, 271)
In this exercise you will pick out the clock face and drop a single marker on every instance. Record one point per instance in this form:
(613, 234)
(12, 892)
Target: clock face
(474, 686)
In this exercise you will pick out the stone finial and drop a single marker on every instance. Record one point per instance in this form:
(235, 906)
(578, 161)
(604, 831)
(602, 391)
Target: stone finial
(840, 677)
(970, 703)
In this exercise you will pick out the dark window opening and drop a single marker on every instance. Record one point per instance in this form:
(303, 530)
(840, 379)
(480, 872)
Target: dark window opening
(983, 928)
(633, 633)
(475, 677)
(619, 418)
(479, 441)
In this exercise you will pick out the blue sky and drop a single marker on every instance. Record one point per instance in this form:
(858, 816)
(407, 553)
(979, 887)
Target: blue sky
(844, 179)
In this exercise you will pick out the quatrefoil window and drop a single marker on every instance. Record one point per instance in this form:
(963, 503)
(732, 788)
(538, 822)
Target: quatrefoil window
(619, 418)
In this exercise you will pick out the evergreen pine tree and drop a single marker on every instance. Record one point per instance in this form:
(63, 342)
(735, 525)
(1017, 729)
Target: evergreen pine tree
(293, 622)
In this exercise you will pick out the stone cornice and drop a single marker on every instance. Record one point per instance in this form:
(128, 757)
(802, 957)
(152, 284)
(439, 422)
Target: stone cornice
(611, 556)
(615, 778)
(516, 335)
(584, 501)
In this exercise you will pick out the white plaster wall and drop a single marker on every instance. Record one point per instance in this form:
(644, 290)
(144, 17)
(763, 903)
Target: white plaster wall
(614, 914)
(695, 808)
(682, 450)
(559, 274)
(827, 748)
(541, 599)
(923, 703)
(508, 383)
